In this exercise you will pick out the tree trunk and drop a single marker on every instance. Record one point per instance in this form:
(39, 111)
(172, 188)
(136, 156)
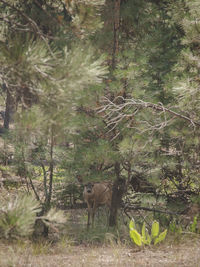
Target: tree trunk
(117, 194)
(118, 186)
(47, 189)
(51, 169)
(116, 24)
(8, 109)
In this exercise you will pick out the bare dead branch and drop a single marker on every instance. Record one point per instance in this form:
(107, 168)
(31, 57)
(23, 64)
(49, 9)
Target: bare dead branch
(114, 113)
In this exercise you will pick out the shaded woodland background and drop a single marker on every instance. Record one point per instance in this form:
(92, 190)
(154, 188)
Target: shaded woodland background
(102, 91)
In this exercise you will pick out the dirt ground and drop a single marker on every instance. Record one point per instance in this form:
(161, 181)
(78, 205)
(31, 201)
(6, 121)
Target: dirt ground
(183, 254)
(95, 248)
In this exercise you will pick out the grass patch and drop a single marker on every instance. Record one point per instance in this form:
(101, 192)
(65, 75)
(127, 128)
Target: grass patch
(100, 234)
(109, 253)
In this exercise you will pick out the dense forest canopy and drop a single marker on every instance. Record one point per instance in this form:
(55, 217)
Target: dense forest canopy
(103, 90)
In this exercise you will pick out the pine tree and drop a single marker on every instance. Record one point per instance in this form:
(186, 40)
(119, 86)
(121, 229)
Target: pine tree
(156, 148)
(104, 78)
(46, 78)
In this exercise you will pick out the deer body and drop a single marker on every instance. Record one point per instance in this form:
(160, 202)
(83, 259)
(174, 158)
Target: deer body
(95, 195)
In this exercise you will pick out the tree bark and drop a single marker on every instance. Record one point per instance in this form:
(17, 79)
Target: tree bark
(118, 186)
(51, 169)
(117, 194)
(116, 24)
(8, 109)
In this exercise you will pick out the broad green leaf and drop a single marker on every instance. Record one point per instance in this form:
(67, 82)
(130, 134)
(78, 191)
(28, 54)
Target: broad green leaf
(161, 237)
(144, 231)
(155, 229)
(147, 240)
(132, 224)
(136, 237)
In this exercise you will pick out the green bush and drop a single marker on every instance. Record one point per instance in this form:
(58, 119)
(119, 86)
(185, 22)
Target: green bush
(144, 238)
(17, 216)
(194, 225)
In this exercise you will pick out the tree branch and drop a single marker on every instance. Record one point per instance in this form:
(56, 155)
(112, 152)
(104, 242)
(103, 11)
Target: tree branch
(34, 190)
(114, 113)
(32, 23)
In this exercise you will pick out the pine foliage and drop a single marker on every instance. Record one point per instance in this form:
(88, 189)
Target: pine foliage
(17, 216)
(59, 60)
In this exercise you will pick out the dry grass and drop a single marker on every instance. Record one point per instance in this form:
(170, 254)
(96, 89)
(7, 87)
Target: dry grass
(63, 253)
(97, 247)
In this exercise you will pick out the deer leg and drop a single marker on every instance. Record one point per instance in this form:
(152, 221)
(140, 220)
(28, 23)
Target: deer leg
(93, 213)
(88, 222)
(89, 213)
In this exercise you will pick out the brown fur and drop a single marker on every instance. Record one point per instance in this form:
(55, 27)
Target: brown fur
(95, 195)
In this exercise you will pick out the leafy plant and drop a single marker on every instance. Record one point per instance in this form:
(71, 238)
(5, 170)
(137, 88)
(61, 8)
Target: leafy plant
(144, 238)
(54, 218)
(175, 228)
(18, 215)
(193, 226)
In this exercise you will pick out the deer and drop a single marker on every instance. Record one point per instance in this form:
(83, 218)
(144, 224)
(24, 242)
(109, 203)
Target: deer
(96, 194)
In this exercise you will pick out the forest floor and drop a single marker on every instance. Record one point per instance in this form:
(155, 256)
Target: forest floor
(186, 253)
(78, 247)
